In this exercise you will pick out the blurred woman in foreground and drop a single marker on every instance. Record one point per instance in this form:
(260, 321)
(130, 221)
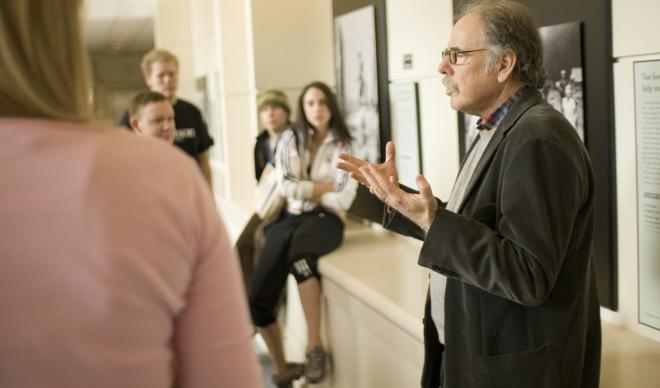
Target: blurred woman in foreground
(115, 268)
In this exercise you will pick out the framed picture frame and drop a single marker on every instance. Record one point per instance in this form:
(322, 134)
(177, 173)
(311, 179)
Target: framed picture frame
(647, 127)
(357, 78)
(375, 95)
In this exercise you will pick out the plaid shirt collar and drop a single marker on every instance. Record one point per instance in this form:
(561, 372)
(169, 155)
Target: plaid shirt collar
(494, 119)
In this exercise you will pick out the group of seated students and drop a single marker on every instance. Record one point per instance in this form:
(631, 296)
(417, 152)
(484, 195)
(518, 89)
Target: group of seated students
(309, 225)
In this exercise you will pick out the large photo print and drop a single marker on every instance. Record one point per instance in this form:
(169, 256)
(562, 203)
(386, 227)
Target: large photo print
(562, 58)
(357, 78)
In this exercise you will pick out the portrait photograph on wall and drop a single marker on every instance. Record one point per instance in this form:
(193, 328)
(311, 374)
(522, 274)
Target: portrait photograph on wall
(562, 57)
(563, 89)
(357, 78)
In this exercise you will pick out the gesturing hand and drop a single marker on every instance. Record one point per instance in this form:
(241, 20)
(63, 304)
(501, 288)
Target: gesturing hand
(352, 165)
(383, 183)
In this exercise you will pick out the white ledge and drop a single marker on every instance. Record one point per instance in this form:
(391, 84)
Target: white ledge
(380, 269)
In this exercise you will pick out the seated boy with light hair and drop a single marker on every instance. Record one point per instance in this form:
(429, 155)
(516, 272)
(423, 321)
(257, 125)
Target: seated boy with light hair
(151, 114)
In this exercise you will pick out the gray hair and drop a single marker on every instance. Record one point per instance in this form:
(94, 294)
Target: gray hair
(509, 25)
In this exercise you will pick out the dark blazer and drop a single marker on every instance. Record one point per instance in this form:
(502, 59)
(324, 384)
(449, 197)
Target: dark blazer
(521, 309)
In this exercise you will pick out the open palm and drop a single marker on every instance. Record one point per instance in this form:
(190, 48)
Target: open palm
(383, 183)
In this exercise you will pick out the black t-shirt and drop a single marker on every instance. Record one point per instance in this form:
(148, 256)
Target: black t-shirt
(192, 135)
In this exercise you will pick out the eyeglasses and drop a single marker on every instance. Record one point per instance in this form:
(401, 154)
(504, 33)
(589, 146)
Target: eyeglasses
(453, 54)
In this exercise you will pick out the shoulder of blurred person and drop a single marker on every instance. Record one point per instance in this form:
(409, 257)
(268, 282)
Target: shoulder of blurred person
(108, 215)
(129, 174)
(117, 231)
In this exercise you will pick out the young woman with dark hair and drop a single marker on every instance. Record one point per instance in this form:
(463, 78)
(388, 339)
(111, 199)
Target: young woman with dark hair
(310, 226)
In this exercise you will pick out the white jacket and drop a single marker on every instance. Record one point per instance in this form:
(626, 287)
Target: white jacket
(296, 178)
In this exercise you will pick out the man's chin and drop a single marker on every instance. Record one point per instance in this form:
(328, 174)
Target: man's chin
(455, 105)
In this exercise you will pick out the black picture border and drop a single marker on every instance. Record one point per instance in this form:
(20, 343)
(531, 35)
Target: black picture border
(366, 206)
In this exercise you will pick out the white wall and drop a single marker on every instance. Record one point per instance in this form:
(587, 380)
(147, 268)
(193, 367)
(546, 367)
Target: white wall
(293, 45)
(422, 28)
(635, 27)
(172, 32)
(634, 31)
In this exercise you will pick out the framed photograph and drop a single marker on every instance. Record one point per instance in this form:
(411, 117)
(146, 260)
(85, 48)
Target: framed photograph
(647, 128)
(362, 86)
(562, 57)
(356, 75)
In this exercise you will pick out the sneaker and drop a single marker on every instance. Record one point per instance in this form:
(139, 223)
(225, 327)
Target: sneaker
(315, 369)
(293, 372)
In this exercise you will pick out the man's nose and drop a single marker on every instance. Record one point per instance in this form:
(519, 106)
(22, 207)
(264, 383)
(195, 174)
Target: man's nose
(444, 67)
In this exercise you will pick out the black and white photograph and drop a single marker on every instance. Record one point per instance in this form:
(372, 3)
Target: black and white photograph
(563, 89)
(562, 57)
(357, 80)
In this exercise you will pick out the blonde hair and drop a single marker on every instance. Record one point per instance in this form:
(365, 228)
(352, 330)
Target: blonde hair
(43, 63)
(157, 55)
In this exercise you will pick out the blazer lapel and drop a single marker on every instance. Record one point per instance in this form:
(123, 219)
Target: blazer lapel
(529, 98)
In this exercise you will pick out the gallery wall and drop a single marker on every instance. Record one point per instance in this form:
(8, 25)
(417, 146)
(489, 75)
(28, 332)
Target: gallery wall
(292, 45)
(634, 31)
(421, 28)
(172, 21)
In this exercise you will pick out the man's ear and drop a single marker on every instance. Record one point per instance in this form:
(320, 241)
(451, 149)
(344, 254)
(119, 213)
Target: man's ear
(507, 64)
(135, 125)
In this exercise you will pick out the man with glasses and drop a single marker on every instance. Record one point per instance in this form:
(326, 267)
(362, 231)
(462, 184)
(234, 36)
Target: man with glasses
(512, 298)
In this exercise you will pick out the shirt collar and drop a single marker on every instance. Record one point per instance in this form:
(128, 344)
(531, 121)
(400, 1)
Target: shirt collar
(495, 118)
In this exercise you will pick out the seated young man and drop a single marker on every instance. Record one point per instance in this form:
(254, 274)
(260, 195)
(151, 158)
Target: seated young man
(151, 114)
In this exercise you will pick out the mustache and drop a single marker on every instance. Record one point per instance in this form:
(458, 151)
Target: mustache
(448, 82)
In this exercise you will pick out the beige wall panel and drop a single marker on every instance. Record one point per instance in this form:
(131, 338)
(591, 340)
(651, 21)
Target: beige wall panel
(172, 31)
(420, 28)
(204, 41)
(293, 42)
(239, 150)
(439, 128)
(368, 349)
(626, 192)
(635, 27)
(236, 53)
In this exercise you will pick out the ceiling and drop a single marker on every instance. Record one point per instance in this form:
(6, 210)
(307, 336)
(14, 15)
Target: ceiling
(119, 25)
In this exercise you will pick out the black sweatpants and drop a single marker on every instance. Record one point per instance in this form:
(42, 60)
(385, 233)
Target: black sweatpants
(292, 244)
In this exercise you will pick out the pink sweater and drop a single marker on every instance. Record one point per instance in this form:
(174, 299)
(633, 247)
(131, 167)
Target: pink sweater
(115, 269)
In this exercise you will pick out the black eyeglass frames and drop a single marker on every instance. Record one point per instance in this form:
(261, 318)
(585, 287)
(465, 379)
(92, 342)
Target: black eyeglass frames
(453, 54)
